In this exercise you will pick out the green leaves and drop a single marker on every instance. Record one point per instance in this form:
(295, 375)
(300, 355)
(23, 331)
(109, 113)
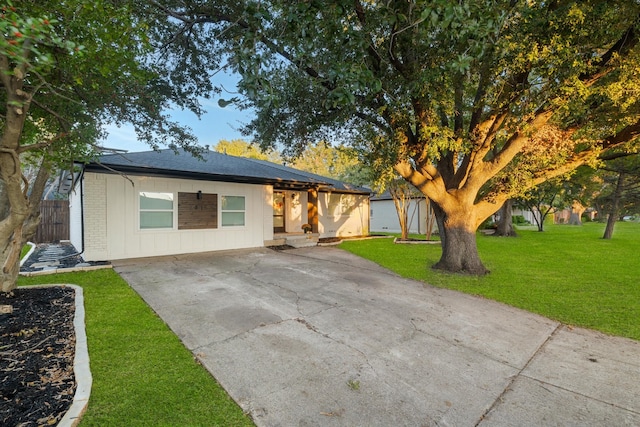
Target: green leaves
(510, 90)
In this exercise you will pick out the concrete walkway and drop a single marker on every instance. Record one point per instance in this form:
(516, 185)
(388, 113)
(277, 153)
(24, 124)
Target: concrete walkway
(319, 337)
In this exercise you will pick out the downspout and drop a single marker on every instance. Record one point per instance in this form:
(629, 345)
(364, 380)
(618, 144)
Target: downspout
(82, 210)
(81, 178)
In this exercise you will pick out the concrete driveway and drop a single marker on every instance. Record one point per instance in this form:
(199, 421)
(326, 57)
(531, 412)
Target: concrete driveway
(320, 337)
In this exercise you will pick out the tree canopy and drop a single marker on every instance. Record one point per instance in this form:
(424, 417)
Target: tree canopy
(67, 68)
(471, 102)
(241, 148)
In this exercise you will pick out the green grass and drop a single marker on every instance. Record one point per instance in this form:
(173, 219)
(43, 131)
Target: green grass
(24, 251)
(142, 373)
(566, 273)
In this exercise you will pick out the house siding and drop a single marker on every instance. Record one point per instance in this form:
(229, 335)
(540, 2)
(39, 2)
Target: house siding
(111, 217)
(343, 214)
(384, 217)
(95, 217)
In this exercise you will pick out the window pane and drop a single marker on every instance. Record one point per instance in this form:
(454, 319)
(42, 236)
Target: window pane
(156, 201)
(232, 218)
(232, 203)
(156, 219)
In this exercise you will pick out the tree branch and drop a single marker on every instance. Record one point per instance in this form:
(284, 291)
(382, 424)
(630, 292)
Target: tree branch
(622, 47)
(624, 136)
(512, 147)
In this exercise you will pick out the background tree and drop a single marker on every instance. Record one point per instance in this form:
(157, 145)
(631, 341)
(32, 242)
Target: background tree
(66, 69)
(402, 195)
(622, 193)
(241, 148)
(504, 225)
(470, 102)
(580, 191)
(543, 200)
(337, 162)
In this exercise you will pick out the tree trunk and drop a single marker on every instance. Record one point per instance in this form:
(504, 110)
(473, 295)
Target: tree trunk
(402, 201)
(403, 217)
(10, 255)
(11, 265)
(459, 247)
(505, 225)
(539, 217)
(576, 213)
(37, 190)
(615, 207)
(4, 201)
(17, 107)
(11, 226)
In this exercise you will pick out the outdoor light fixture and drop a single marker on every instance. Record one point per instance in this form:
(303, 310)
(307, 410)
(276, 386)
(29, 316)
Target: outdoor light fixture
(199, 195)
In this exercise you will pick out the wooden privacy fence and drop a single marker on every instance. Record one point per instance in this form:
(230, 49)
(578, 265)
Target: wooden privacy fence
(54, 221)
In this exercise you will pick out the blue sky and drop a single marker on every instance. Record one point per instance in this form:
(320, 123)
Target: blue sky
(216, 124)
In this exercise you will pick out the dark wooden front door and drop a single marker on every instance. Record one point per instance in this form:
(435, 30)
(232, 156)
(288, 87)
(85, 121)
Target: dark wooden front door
(278, 212)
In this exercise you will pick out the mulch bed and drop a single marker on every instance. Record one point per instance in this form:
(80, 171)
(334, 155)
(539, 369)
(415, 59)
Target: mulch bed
(37, 347)
(329, 240)
(280, 247)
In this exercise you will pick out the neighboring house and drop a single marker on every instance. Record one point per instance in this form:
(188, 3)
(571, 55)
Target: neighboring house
(159, 203)
(384, 217)
(525, 213)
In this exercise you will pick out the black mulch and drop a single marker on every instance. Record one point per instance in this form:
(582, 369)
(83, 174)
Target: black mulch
(37, 346)
(322, 240)
(280, 247)
(329, 240)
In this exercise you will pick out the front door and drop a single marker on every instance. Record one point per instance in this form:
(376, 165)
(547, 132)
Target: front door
(278, 212)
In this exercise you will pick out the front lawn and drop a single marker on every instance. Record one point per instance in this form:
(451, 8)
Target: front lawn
(142, 374)
(567, 273)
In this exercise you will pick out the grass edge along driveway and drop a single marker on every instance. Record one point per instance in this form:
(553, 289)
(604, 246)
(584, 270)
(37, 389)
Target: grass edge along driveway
(567, 273)
(142, 374)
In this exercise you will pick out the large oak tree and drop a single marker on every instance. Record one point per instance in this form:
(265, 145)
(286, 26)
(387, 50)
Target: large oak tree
(471, 102)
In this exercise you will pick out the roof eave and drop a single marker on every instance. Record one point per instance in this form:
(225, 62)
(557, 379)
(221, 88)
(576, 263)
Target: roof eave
(165, 173)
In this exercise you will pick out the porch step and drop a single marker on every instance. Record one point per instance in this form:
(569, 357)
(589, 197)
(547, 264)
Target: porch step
(302, 240)
(275, 242)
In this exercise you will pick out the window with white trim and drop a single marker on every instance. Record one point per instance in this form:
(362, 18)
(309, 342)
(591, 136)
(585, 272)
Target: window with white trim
(156, 210)
(232, 211)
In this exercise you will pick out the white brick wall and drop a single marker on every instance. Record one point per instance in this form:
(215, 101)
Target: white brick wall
(95, 216)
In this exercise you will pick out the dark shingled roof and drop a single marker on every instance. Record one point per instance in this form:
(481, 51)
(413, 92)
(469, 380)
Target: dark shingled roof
(215, 167)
